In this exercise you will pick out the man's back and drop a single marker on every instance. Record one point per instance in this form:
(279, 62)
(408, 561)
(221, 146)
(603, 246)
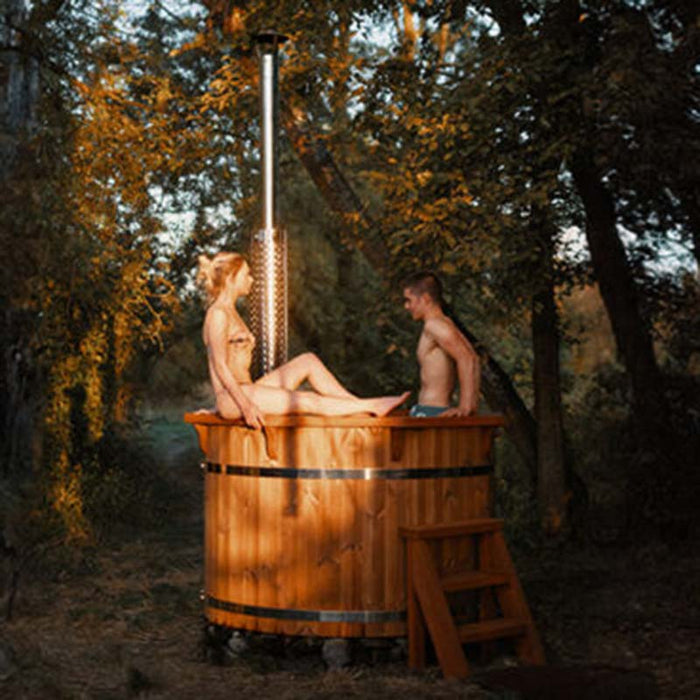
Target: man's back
(437, 368)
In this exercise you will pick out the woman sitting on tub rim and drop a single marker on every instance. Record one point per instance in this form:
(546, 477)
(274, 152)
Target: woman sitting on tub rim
(226, 278)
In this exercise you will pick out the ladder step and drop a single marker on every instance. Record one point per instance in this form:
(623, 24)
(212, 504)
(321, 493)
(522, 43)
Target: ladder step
(471, 580)
(438, 531)
(491, 629)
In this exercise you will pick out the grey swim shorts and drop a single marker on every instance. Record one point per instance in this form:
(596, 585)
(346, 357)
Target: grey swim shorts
(423, 411)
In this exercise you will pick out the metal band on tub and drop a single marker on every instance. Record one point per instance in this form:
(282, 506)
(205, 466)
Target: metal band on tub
(357, 616)
(358, 474)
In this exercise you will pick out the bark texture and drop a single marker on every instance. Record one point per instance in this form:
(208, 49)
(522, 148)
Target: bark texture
(552, 490)
(19, 94)
(617, 288)
(19, 85)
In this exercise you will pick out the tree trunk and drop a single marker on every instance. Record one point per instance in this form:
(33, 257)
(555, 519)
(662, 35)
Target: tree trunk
(19, 88)
(19, 85)
(618, 291)
(552, 491)
(502, 396)
(498, 390)
(321, 165)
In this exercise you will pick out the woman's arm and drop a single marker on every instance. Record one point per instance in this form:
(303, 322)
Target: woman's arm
(217, 333)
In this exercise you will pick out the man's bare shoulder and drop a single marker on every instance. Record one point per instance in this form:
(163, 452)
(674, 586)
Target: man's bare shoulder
(440, 327)
(446, 333)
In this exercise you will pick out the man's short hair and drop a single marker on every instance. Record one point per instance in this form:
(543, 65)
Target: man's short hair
(425, 283)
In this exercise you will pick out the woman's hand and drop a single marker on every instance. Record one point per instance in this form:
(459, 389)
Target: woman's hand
(251, 413)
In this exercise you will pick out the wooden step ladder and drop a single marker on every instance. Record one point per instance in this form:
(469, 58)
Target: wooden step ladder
(494, 578)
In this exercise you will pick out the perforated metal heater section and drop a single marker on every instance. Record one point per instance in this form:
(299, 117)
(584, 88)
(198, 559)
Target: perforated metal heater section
(269, 303)
(268, 247)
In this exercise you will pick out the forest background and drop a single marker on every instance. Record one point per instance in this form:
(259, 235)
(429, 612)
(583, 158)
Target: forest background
(540, 156)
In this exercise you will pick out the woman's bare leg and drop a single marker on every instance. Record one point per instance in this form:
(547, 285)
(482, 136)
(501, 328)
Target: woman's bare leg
(277, 401)
(307, 366)
(226, 407)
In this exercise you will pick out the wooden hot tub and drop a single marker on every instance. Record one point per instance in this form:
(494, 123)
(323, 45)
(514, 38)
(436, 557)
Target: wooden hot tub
(301, 522)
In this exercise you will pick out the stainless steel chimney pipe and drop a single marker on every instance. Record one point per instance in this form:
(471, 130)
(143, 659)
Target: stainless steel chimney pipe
(269, 245)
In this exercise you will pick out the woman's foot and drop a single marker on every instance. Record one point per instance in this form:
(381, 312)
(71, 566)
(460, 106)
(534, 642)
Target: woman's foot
(383, 405)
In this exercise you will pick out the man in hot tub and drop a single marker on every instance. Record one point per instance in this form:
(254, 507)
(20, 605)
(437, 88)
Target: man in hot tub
(444, 354)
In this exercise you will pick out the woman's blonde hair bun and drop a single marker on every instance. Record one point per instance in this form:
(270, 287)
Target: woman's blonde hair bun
(213, 272)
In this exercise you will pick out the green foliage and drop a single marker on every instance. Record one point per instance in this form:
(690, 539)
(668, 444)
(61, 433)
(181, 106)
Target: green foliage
(124, 487)
(514, 499)
(84, 255)
(458, 138)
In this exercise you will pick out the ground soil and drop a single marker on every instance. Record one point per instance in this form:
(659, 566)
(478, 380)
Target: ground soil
(124, 620)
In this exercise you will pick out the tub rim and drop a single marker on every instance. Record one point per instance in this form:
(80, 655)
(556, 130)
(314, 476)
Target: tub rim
(303, 420)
